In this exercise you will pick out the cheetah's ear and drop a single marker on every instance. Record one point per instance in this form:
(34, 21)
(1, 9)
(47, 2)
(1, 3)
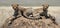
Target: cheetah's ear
(46, 5)
(42, 5)
(11, 4)
(17, 4)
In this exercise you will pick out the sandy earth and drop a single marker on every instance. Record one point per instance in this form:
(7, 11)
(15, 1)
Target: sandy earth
(22, 22)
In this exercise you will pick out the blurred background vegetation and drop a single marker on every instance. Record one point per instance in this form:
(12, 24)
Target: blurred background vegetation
(30, 2)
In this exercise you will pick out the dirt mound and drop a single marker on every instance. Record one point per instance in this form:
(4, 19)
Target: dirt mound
(29, 23)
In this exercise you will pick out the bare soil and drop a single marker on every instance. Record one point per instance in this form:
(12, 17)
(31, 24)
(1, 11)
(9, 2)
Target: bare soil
(22, 22)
